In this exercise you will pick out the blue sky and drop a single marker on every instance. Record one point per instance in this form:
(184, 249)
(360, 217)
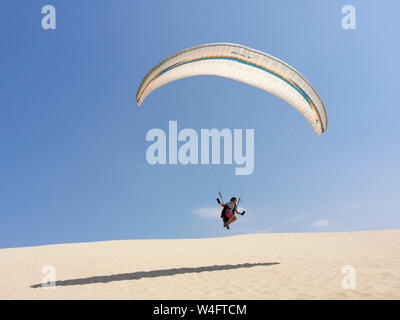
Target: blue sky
(73, 166)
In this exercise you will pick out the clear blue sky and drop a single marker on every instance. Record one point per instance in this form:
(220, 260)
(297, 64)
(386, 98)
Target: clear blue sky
(72, 139)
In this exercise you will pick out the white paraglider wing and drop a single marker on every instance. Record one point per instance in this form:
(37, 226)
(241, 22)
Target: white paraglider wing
(242, 64)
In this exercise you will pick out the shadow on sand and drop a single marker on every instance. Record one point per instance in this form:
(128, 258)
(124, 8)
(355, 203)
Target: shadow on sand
(153, 274)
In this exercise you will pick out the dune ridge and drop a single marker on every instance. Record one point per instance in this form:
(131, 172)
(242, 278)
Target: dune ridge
(254, 266)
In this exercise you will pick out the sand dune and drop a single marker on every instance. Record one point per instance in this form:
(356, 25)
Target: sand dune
(257, 266)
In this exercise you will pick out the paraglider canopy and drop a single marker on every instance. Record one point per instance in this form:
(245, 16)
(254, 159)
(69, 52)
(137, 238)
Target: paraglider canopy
(243, 64)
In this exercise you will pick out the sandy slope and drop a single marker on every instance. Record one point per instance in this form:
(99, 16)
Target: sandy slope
(260, 266)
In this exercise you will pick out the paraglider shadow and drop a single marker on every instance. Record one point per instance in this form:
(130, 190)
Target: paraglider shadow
(153, 274)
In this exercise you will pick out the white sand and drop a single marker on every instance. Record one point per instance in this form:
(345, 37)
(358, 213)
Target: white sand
(308, 266)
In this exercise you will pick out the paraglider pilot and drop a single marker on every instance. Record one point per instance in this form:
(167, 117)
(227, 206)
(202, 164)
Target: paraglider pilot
(228, 211)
